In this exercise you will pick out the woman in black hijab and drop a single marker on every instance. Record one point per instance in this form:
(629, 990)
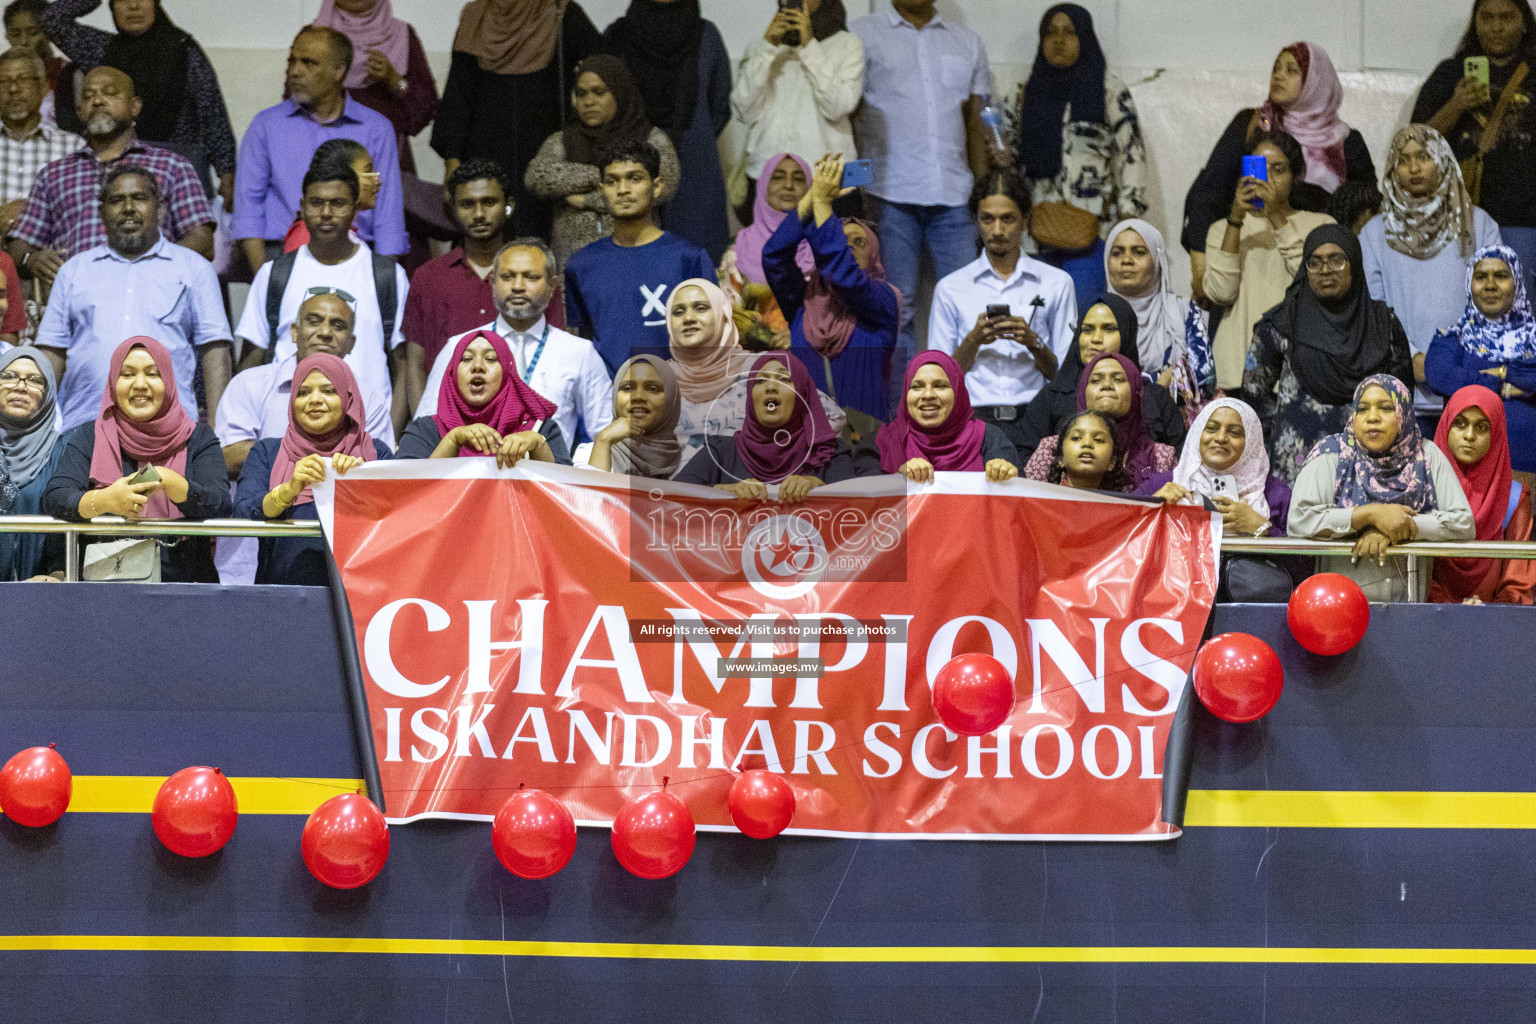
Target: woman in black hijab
(680, 64)
(1108, 324)
(1312, 350)
(183, 106)
(1078, 144)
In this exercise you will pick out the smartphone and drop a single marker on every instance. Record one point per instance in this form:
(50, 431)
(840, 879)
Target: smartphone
(1256, 167)
(997, 312)
(792, 37)
(1224, 486)
(147, 475)
(1477, 67)
(858, 173)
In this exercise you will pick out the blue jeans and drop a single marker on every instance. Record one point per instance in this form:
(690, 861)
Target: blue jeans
(905, 229)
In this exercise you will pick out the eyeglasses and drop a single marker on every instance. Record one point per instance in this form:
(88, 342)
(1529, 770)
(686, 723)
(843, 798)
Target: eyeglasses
(346, 297)
(11, 380)
(1337, 261)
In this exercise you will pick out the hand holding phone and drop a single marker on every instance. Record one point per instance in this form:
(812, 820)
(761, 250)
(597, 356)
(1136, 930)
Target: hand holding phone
(147, 475)
(792, 36)
(1224, 486)
(1257, 168)
(857, 173)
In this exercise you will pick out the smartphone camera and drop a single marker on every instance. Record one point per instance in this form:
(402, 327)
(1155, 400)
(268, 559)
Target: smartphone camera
(792, 37)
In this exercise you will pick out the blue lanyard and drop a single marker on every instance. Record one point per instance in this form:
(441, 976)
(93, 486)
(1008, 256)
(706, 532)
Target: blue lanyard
(533, 364)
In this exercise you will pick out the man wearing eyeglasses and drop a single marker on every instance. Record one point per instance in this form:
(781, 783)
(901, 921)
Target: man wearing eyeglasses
(138, 283)
(334, 263)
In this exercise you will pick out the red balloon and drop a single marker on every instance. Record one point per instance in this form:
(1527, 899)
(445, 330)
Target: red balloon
(973, 694)
(1238, 676)
(1328, 613)
(195, 812)
(345, 841)
(761, 803)
(534, 834)
(653, 835)
(35, 787)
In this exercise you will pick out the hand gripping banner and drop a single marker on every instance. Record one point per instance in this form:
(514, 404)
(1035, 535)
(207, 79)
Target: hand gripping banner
(553, 628)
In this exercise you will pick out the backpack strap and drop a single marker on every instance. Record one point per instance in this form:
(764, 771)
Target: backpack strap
(277, 284)
(384, 290)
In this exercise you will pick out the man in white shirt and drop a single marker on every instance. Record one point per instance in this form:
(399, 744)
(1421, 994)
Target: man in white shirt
(334, 262)
(257, 401)
(924, 83)
(562, 367)
(1008, 356)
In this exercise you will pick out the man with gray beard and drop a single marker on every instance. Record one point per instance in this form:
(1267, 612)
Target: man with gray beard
(62, 218)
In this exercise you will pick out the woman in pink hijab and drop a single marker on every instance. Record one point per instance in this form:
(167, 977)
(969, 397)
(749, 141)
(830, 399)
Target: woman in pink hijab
(1303, 101)
(326, 421)
(144, 457)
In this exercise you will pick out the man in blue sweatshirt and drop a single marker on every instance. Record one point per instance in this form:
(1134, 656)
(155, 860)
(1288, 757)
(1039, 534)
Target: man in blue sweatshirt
(616, 288)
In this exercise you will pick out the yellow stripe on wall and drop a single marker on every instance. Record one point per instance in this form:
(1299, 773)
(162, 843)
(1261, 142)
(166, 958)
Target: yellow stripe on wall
(135, 794)
(1207, 808)
(766, 954)
(1238, 808)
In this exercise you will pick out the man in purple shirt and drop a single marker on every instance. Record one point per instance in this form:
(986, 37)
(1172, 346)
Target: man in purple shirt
(275, 152)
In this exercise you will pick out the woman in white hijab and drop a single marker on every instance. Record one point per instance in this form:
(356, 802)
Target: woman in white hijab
(1224, 467)
(1173, 336)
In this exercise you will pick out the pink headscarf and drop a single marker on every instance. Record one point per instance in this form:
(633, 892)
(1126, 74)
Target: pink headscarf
(955, 445)
(379, 29)
(350, 437)
(704, 372)
(811, 440)
(516, 407)
(765, 221)
(828, 323)
(1313, 119)
(161, 439)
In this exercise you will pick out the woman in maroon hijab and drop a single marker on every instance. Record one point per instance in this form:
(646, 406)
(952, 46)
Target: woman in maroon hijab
(143, 430)
(326, 419)
(785, 439)
(935, 430)
(484, 408)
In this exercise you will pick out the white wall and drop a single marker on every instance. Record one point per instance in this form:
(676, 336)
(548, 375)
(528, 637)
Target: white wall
(1190, 63)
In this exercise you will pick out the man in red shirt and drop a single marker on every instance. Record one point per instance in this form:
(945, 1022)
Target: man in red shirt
(451, 294)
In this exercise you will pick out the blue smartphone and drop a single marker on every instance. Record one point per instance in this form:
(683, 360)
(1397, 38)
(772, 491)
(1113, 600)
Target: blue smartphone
(1256, 167)
(857, 174)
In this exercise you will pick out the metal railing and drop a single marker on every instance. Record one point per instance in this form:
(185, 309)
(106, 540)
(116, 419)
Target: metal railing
(111, 526)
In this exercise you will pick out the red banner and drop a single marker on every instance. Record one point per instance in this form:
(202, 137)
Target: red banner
(550, 627)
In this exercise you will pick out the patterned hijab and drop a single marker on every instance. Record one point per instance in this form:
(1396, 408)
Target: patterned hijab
(514, 408)
(1160, 313)
(510, 37)
(1397, 476)
(1251, 469)
(803, 445)
(26, 446)
(349, 437)
(656, 453)
(1486, 485)
(1421, 227)
(704, 372)
(1313, 118)
(1508, 338)
(954, 445)
(161, 439)
(1138, 449)
(765, 221)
